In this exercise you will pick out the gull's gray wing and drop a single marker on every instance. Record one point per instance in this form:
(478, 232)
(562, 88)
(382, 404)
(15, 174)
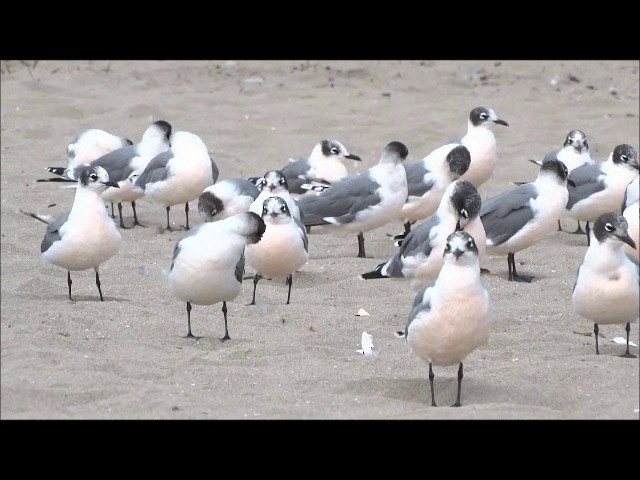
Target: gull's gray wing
(303, 233)
(346, 198)
(156, 170)
(240, 268)
(244, 187)
(52, 234)
(116, 163)
(589, 179)
(420, 304)
(417, 240)
(291, 172)
(415, 179)
(505, 214)
(551, 156)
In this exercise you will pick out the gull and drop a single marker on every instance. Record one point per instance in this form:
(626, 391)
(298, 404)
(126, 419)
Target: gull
(606, 288)
(227, 198)
(574, 153)
(427, 179)
(178, 175)
(208, 263)
(451, 317)
(126, 163)
(600, 188)
(88, 145)
(481, 143)
(518, 218)
(85, 237)
(274, 183)
(325, 164)
(283, 249)
(362, 202)
(630, 213)
(419, 258)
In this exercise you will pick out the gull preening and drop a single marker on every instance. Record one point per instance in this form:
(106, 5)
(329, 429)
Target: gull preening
(227, 198)
(208, 263)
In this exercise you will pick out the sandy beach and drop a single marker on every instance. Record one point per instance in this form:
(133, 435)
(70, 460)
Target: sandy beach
(124, 358)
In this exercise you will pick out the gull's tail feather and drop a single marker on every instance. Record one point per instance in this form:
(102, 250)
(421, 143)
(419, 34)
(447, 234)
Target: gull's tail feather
(56, 170)
(43, 218)
(375, 273)
(537, 162)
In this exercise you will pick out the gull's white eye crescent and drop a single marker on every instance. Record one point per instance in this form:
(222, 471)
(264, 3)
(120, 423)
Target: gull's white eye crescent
(624, 158)
(93, 176)
(335, 151)
(608, 227)
(484, 116)
(464, 213)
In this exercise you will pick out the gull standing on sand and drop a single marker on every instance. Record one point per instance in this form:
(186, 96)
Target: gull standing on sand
(419, 259)
(600, 188)
(574, 153)
(283, 249)
(631, 213)
(518, 218)
(227, 198)
(325, 164)
(272, 184)
(126, 163)
(427, 179)
(178, 175)
(84, 237)
(362, 202)
(606, 290)
(208, 263)
(451, 317)
(481, 143)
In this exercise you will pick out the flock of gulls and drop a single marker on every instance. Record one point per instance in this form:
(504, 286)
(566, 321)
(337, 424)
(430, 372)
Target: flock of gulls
(265, 222)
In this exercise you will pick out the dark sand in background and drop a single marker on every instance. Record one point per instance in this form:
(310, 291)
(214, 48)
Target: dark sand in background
(124, 358)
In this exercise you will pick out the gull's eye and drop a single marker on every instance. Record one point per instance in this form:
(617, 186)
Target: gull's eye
(470, 243)
(484, 116)
(282, 180)
(608, 227)
(335, 151)
(93, 176)
(265, 209)
(464, 213)
(624, 158)
(447, 247)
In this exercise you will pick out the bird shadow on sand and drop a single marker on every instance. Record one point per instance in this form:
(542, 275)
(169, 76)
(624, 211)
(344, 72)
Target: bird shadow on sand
(90, 298)
(474, 391)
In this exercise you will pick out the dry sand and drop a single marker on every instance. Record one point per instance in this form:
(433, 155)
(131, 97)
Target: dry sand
(125, 359)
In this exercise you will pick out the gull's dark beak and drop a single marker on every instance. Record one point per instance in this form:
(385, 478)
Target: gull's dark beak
(273, 214)
(636, 166)
(501, 122)
(458, 228)
(571, 182)
(458, 253)
(629, 241)
(353, 157)
(579, 148)
(129, 141)
(112, 184)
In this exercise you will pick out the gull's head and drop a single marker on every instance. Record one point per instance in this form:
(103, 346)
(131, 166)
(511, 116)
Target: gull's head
(209, 205)
(612, 227)
(557, 170)
(158, 131)
(577, 140)
(332, 150)
(459, 159)
(394, 152)
(461, 249)
(625, 155)
(274, 180)
(95, 178)
(464, 202)
(274, 208)
(486, 117)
